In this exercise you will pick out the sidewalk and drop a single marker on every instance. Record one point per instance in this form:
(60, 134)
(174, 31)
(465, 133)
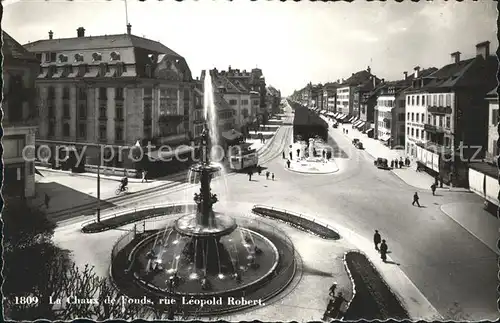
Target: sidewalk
(67, 191)
(88, 174)
(476, 220)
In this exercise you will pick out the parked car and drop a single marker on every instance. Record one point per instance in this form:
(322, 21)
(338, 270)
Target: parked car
(355, 141)
(359, 145)
(381, 163)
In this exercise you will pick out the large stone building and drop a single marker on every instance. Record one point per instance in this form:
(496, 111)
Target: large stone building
(113, 90)
(20, 119)
(273, 100)
(447, 114)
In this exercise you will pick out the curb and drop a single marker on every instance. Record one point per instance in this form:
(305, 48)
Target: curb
(94, 175)
(352, 283)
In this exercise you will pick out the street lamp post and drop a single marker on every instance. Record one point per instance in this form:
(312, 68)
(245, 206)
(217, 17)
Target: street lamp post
(99, 186)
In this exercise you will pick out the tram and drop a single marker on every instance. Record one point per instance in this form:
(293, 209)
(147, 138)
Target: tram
(241, 156)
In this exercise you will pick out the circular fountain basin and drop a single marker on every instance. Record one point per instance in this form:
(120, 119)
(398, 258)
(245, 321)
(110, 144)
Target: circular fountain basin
(211, 168)
(219, 225)
(236, 254)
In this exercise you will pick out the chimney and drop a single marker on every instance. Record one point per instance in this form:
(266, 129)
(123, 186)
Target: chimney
(383, 81)
(455, 57)
(80, 32)
(369, 70)
(229, 69)
(483, 49)
(406, 75)
(416, 69)
(129, 29)
(51, 34)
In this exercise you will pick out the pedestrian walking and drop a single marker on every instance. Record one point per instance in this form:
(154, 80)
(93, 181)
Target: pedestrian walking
(392, 163)
(332, 289)
(47, 200)
(259, 169)
(433, 188)
(401, 162)
(250, 173)
(440, 182)
(376, 239)
(291, 155)
(144, 173)
(415, 199)
(436, 180)
(407, 162)
(284, 154)
(267, 175)
(272, 176)
(383, 251)
(288, 163)
(346, 131)
(298, 152)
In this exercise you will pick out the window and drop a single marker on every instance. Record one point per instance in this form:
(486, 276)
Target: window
(102, 111)
(408, 130)
(102, 132)
(423, 99)
(244, 102)
(82, 130)
(412, 117)
(82, 111)
(255, 102)
(148, 92)
(96, 57)
(408, 100)
(412, 132)
(418, 100)
(39, 57)
(434, 100)
(103, 69)
(422, 119)
(119, 133)
(78, 58)
(103, 93)
(440, 103)
(448, 122)
(147, 70)
(447, 142)
(418, 116)
(13, 146)
(52, 128)
(441, 121)
(233, 102)
(66, 93)
(51, 93)
(408, 116)
(169, 102)
(412, 100)
(495, 148)
(82, 93)
(119, 113)
(401, 117)
(417, 133)
(119, 93)
(53, 57)
(448, 100)
(66, 110)
(120, 68)
(66, 130)
(429, 119)
(494, 116)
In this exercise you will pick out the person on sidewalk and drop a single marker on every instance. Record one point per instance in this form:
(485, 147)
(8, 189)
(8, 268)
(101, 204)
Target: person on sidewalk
(250, 173)
(144, 173)
(291, 155)
(298, 153)
(440, 182)
(288, 163)
(383, 251)
(272, 176)
(407, 162)
(346, 131)
(433, 188)
(392, 163)
(436, 180)
(376, 239)
(401, 162)
(259, 169)
(332, 289)
(47, 200)
(415, 199)
(267, 174)
(283, 154)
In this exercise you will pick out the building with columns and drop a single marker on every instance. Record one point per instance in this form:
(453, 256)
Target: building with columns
(113, 90)
(20, 120)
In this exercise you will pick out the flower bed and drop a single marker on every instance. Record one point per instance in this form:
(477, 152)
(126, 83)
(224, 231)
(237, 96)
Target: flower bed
(134, 216)
(298, 222)
(373, 299)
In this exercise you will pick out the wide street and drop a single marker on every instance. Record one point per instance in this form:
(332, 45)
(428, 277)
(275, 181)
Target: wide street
(453, 269)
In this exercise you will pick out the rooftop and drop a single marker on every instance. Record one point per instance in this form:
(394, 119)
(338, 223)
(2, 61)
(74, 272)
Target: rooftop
(12, 50)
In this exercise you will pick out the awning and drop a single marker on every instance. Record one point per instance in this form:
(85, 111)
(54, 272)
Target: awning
(368, 131)
(342, 117)
(362, 124)
(384, 137)
(336, 115)
(357, 123)
(169, 154)
(231, 135)
(351, 119)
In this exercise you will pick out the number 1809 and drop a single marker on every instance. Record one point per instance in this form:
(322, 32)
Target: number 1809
(26, 300)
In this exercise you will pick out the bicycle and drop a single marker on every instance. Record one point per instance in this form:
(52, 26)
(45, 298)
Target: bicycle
(121, 189)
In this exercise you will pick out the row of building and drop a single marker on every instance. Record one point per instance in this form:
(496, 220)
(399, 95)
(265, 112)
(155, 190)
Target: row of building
(120, 91)
(443, 117)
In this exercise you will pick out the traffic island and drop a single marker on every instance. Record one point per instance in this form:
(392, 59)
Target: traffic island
(135, 215)
(297, 221)
(373, 299)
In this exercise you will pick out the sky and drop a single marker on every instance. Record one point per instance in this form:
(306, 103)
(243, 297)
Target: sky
(294, 43)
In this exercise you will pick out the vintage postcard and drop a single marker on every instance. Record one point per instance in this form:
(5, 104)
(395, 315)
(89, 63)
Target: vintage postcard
(250, 160)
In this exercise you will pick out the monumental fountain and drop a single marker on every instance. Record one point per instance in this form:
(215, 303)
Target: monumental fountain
(206, 253)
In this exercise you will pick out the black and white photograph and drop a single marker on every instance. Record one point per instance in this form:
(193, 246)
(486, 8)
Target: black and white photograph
(250, 160)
